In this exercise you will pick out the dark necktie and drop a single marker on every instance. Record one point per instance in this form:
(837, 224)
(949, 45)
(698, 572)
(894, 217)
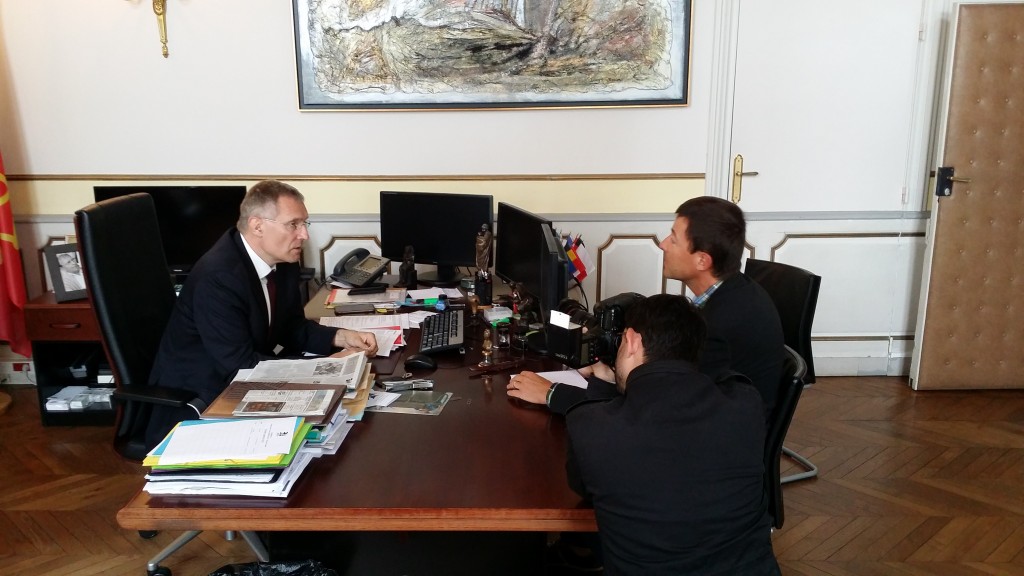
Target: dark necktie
(272, 296)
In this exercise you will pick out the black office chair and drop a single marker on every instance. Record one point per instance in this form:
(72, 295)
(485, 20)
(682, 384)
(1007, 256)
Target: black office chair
(795, 294)
(132, 294)
(790, 387)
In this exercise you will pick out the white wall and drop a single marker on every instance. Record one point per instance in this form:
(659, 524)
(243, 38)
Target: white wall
(86, 91)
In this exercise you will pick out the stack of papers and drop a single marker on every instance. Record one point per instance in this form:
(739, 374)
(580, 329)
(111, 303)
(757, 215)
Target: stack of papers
(79, 398)
(389, 299)
(245, 457)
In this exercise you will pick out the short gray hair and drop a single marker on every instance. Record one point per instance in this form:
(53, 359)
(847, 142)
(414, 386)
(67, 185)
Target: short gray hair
(261, 201)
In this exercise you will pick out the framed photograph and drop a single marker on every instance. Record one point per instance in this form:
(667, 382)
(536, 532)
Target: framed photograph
(471, 54)
(65, 266)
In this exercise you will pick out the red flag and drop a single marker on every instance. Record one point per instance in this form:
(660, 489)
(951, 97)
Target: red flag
(12, 277)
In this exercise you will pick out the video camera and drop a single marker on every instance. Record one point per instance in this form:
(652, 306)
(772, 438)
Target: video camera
(604, 328)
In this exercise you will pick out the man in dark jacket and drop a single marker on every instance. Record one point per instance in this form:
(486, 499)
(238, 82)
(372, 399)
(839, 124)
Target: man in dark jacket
(674, 465)
(241, 304)
(703, 251)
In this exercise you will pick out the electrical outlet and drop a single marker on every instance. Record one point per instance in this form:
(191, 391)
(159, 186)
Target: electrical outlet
(16, 373)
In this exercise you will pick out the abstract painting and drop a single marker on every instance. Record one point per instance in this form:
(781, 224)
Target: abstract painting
(415, 54)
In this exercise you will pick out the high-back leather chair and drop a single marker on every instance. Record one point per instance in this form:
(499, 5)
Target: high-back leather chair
(131, 291)
(790, 388)
(795, 294)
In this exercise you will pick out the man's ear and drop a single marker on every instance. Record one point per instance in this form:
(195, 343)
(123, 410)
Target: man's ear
(704, 261)
(256, 225)
(634, 342)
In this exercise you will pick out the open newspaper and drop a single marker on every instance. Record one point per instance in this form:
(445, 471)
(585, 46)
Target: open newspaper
(345, 371)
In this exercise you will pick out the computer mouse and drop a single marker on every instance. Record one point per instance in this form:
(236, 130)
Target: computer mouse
(420, 361)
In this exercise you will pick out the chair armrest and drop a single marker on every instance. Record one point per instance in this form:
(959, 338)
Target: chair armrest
(174, 397)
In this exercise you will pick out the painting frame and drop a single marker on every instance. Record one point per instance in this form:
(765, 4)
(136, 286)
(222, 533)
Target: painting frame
(61, 260)
(492, 54)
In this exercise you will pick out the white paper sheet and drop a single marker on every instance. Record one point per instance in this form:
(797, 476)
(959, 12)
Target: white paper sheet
(243, 439)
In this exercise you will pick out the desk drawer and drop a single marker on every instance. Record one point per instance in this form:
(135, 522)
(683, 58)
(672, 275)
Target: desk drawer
(61, 325)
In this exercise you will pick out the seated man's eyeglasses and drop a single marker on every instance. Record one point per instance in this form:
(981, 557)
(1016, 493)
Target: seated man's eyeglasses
(294, 225)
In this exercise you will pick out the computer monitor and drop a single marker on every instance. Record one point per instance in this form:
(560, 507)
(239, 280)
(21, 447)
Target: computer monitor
(517, 245)
(191, 218)
(554, 267)
(440, 227)
(529, 253)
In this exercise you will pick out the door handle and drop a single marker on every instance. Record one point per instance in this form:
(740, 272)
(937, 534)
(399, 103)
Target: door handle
(944, 180)
(737, 178)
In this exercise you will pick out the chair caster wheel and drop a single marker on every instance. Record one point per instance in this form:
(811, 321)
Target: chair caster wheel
(147, 534)
(159, 571)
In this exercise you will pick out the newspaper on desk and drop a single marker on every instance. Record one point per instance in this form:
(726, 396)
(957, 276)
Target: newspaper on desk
(284, 402)
(346, 370)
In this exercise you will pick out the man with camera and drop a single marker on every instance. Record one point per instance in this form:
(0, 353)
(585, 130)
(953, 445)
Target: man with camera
(698, 506)
(744, 334)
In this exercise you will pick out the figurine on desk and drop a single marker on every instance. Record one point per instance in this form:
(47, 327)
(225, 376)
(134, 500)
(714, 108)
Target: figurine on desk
(523, 303)
(407, 271)
(484, 240)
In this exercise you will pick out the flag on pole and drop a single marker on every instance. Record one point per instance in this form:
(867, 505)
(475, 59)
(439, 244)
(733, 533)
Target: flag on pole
(568, 247)
(580, 262)
(584, 256)
(12, 277)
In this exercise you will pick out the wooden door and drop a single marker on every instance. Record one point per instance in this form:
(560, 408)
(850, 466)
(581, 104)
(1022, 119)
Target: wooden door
(971, 327)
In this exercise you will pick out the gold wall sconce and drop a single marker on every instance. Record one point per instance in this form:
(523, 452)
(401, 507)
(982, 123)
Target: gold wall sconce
(159, 7)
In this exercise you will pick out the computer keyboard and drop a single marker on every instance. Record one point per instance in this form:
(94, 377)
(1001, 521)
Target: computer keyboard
(442, 331)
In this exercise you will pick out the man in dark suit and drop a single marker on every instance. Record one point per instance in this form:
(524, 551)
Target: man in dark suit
(241, 304)
(674, 464)
(744, 332)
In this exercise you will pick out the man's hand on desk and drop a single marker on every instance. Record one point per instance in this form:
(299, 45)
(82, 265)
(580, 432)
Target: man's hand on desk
(532, 387)
(353, 341)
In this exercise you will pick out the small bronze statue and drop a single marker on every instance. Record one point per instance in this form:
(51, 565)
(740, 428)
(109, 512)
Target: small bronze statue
(487, 349)
(482, 281)
(484, 242)
(407, 271)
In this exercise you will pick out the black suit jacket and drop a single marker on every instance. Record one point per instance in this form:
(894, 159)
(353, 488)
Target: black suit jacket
(675, 471)
(220, 325)
(744, 335)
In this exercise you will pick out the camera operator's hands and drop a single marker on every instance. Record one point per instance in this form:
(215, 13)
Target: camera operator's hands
(599, 370)
(530, 387)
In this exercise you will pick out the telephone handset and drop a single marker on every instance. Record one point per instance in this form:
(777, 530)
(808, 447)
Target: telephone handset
(363, 271)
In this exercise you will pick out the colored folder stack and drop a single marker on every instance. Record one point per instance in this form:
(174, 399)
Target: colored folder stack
(244, 457)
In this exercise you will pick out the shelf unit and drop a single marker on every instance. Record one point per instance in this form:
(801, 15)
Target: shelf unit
(66, 351)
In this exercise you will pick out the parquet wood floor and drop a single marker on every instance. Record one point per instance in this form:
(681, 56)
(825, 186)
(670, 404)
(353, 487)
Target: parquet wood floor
(912, 484)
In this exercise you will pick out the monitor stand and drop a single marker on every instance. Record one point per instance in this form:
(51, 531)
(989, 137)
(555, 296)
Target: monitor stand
(444, 277)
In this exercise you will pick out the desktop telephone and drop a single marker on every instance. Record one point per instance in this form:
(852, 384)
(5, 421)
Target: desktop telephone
(363, 271)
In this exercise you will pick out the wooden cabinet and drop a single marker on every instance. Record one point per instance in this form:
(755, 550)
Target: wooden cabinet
(66, 351)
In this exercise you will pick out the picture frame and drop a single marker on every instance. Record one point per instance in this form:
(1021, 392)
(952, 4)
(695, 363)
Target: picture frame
(65, 266)
(479, 54)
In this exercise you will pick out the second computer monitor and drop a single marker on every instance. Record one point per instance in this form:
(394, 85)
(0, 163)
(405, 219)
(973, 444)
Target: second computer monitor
(440, 227)
(528, 252)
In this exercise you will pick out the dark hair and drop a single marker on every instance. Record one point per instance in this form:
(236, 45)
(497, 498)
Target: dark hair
(715, 226)
(262, 197)
(672, 328)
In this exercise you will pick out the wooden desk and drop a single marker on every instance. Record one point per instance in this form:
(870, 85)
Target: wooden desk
(486, 463)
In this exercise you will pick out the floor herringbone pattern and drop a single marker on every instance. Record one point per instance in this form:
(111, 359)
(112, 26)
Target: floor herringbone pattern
(912, 483)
